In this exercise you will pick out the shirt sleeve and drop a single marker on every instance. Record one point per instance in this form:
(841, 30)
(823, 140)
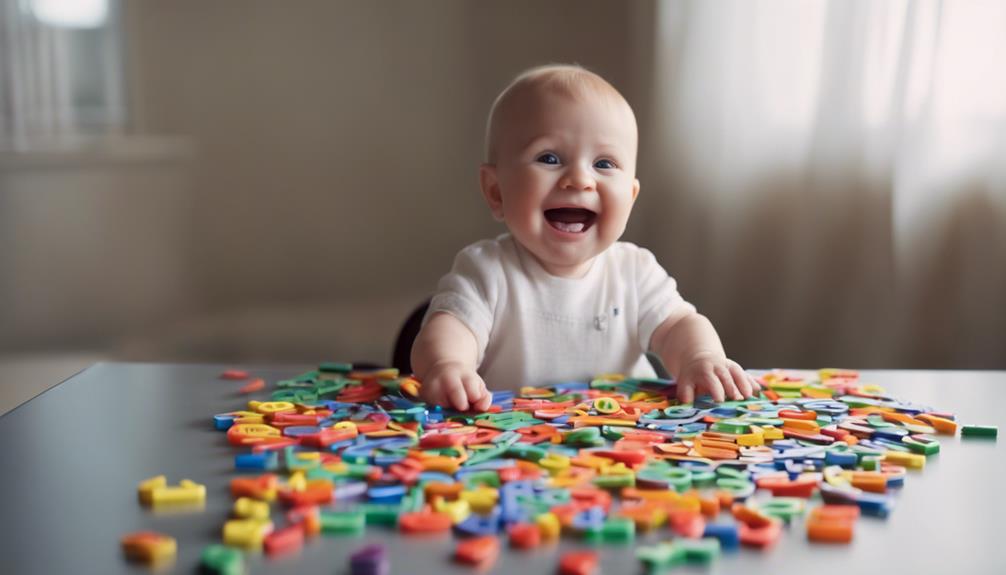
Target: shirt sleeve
(658, 296)
(469, 292)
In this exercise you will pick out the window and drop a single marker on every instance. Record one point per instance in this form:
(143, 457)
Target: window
(61, 71)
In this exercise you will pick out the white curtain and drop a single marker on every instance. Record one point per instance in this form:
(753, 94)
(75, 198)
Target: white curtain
(829, 177)
(60, 72)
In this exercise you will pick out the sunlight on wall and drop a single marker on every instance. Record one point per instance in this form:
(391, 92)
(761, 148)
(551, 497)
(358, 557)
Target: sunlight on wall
(71, 13)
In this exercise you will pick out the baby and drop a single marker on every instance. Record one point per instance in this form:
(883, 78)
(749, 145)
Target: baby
(559, 298)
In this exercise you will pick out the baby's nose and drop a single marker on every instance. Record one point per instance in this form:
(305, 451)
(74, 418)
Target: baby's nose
(576, 178)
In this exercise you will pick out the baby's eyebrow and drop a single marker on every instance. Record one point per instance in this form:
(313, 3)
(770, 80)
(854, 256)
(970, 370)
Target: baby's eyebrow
(603, 147)
(536, 141)
(612, 149)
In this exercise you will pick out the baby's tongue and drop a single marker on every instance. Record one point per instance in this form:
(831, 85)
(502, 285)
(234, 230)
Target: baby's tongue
(573, 220)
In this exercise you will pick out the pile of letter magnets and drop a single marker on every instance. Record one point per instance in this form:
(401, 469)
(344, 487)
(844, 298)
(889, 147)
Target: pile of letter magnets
(598, 461)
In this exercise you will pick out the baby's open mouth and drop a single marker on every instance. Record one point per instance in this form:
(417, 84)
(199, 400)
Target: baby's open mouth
(572, 220)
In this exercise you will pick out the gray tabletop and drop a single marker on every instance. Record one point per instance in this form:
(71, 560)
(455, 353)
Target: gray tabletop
(73, 457)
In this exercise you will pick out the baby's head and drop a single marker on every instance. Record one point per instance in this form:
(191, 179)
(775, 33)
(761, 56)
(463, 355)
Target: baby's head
(560, 165)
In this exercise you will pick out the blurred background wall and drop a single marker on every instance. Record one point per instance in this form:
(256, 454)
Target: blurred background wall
(260, 181)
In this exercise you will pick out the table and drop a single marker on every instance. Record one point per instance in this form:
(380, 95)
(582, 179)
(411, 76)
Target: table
(75, 454)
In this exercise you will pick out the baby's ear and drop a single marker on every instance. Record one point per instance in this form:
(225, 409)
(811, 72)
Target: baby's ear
(491, 190)
(635, 189)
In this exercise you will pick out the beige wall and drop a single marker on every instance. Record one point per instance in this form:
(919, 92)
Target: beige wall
(332, 178)
(332, 174)
(338, 142)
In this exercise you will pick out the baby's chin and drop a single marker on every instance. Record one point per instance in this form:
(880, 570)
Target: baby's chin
(567, 260)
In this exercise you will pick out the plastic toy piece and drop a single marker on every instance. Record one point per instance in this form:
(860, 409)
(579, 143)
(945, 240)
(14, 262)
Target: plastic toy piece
(607, 405)
(257, 461)
(845, 459)
(386, 493)
(234, 374)
(272, 407)
(327, 437)
(248, 508)
(343, 522)
(221, 560)
(687, 523)
(836, 512)
(784, 508)
(480, 551)
(253, 386)
(660, 557)
(750, 516)
(262, 487)
(369, 560)
(458, 510)
(246, 533)
(149, 547)
(146, 489)
(286, 540)
(614, 481)
(740, 489)
(307, 518)
(424, 522)
(875, 504)
(578, 563)
(801, 425)
(479, 525)
(799, 415)
(315, 492)
(751, 439)
(448, 491)
(872, 481)
(922, 444)
(942, 425)
(829, 531)
(763, 536)
(646, 515)
(618, 530)
(727, 535)
(524, 535)
(803, 487)
(335, 367)
(482, 499)
(909, 460)
(549, 526)
(990, 431)
(251, 433)
(699, 551)
(157, 493)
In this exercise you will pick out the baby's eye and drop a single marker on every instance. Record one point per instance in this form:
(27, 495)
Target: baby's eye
(548, 158)
(604, 165)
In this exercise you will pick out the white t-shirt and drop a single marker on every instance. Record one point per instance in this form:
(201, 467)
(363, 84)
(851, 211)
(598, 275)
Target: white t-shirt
(534, 328)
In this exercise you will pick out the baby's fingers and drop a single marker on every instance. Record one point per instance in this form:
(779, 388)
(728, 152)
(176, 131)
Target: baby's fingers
(726, 380)
(693, 384)
(456, 394)
(742, 381)
(432, 393)
(686, 392)
(708, 381)
(475, 389)
(485, 402)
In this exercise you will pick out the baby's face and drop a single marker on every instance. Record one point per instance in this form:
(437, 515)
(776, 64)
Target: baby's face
(564, 179)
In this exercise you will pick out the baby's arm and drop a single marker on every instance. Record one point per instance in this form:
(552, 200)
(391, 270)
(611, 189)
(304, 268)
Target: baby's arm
(691, 350)
(443, 357)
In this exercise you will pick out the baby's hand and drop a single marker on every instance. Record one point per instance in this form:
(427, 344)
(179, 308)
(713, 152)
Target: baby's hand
(714, 374)
(454, 384)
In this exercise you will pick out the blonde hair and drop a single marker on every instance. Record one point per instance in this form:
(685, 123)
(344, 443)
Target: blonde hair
(566, 79)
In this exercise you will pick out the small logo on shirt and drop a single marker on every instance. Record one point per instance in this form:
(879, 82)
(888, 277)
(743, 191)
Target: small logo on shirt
(601, 322)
